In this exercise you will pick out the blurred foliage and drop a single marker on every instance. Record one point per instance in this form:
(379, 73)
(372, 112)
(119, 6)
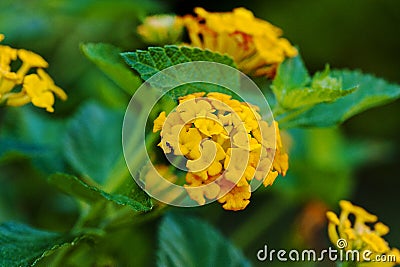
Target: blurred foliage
(358, 161)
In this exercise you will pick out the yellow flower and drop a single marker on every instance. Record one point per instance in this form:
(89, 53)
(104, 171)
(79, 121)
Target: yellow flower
(360, 236)
(161, 29)
(30, 60)
(197, 191)
(255, 45)
(237, 198)
(51, 85)
(37, 88)
(234, 165)
(152, 182)
(189, 140)
(280, 163)
(159, 122)
(190, 109)
(209, 164)
(226, 145)
(209, 127)
(38, 91)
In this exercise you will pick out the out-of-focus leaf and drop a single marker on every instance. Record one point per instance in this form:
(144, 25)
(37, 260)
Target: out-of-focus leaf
(77, 188)
(186, 241)
(108, 59)
(26, 132)
(155, 59)
(9, 148)
(371, 92)
(108, 250)
(321, 166)
(92, 143)
(22, 245)
(294, 88)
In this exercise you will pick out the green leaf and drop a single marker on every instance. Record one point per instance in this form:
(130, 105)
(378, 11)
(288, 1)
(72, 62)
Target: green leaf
(371, 92)
(150, 62)
(92, 143)
(34, 134)
(107, 58)
(186, 241)
(324, 154)
(291, 74)
(21, 245)
(77, 188)
(294, 88)
(10, 147)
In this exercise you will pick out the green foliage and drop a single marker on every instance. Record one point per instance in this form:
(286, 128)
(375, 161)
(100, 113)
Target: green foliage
(321, 101)
(107, 58)
(92, 143)
(371, 92)
(21, 245)
(294, 88)
(321, 165)
(91, 194)
(150, 62)
(186, 241)
(27, 132)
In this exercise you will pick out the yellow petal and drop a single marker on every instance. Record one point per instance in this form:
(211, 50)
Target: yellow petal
(32, 59)
(159, 122)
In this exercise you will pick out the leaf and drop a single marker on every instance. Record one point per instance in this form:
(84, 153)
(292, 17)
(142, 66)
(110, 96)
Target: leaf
(324, 154)
(107, 58)
(77, 188)
(294, 88)
(155, 59)
(10, 147)
(322, 164)
(371, 92)
(21, 245)
(186, 241)
(323, 89)
(148, 63)
(30, 133)
(92, 143)
(290, 75)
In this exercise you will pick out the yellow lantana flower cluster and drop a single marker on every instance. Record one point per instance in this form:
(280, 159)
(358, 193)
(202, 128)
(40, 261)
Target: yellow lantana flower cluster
(359, 235)
(37, 88)
(226, 144)
(255, 45)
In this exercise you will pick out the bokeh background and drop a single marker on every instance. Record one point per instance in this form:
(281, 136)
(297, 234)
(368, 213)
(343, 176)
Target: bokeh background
(358, 160)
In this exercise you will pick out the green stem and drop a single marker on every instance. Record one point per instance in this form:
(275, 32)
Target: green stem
(127, 219)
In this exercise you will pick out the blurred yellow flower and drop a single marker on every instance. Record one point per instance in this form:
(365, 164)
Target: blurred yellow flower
(161, 29)
(151, 182)
(226, 145)
(37, 88)
(359, 235)
(255, 45)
